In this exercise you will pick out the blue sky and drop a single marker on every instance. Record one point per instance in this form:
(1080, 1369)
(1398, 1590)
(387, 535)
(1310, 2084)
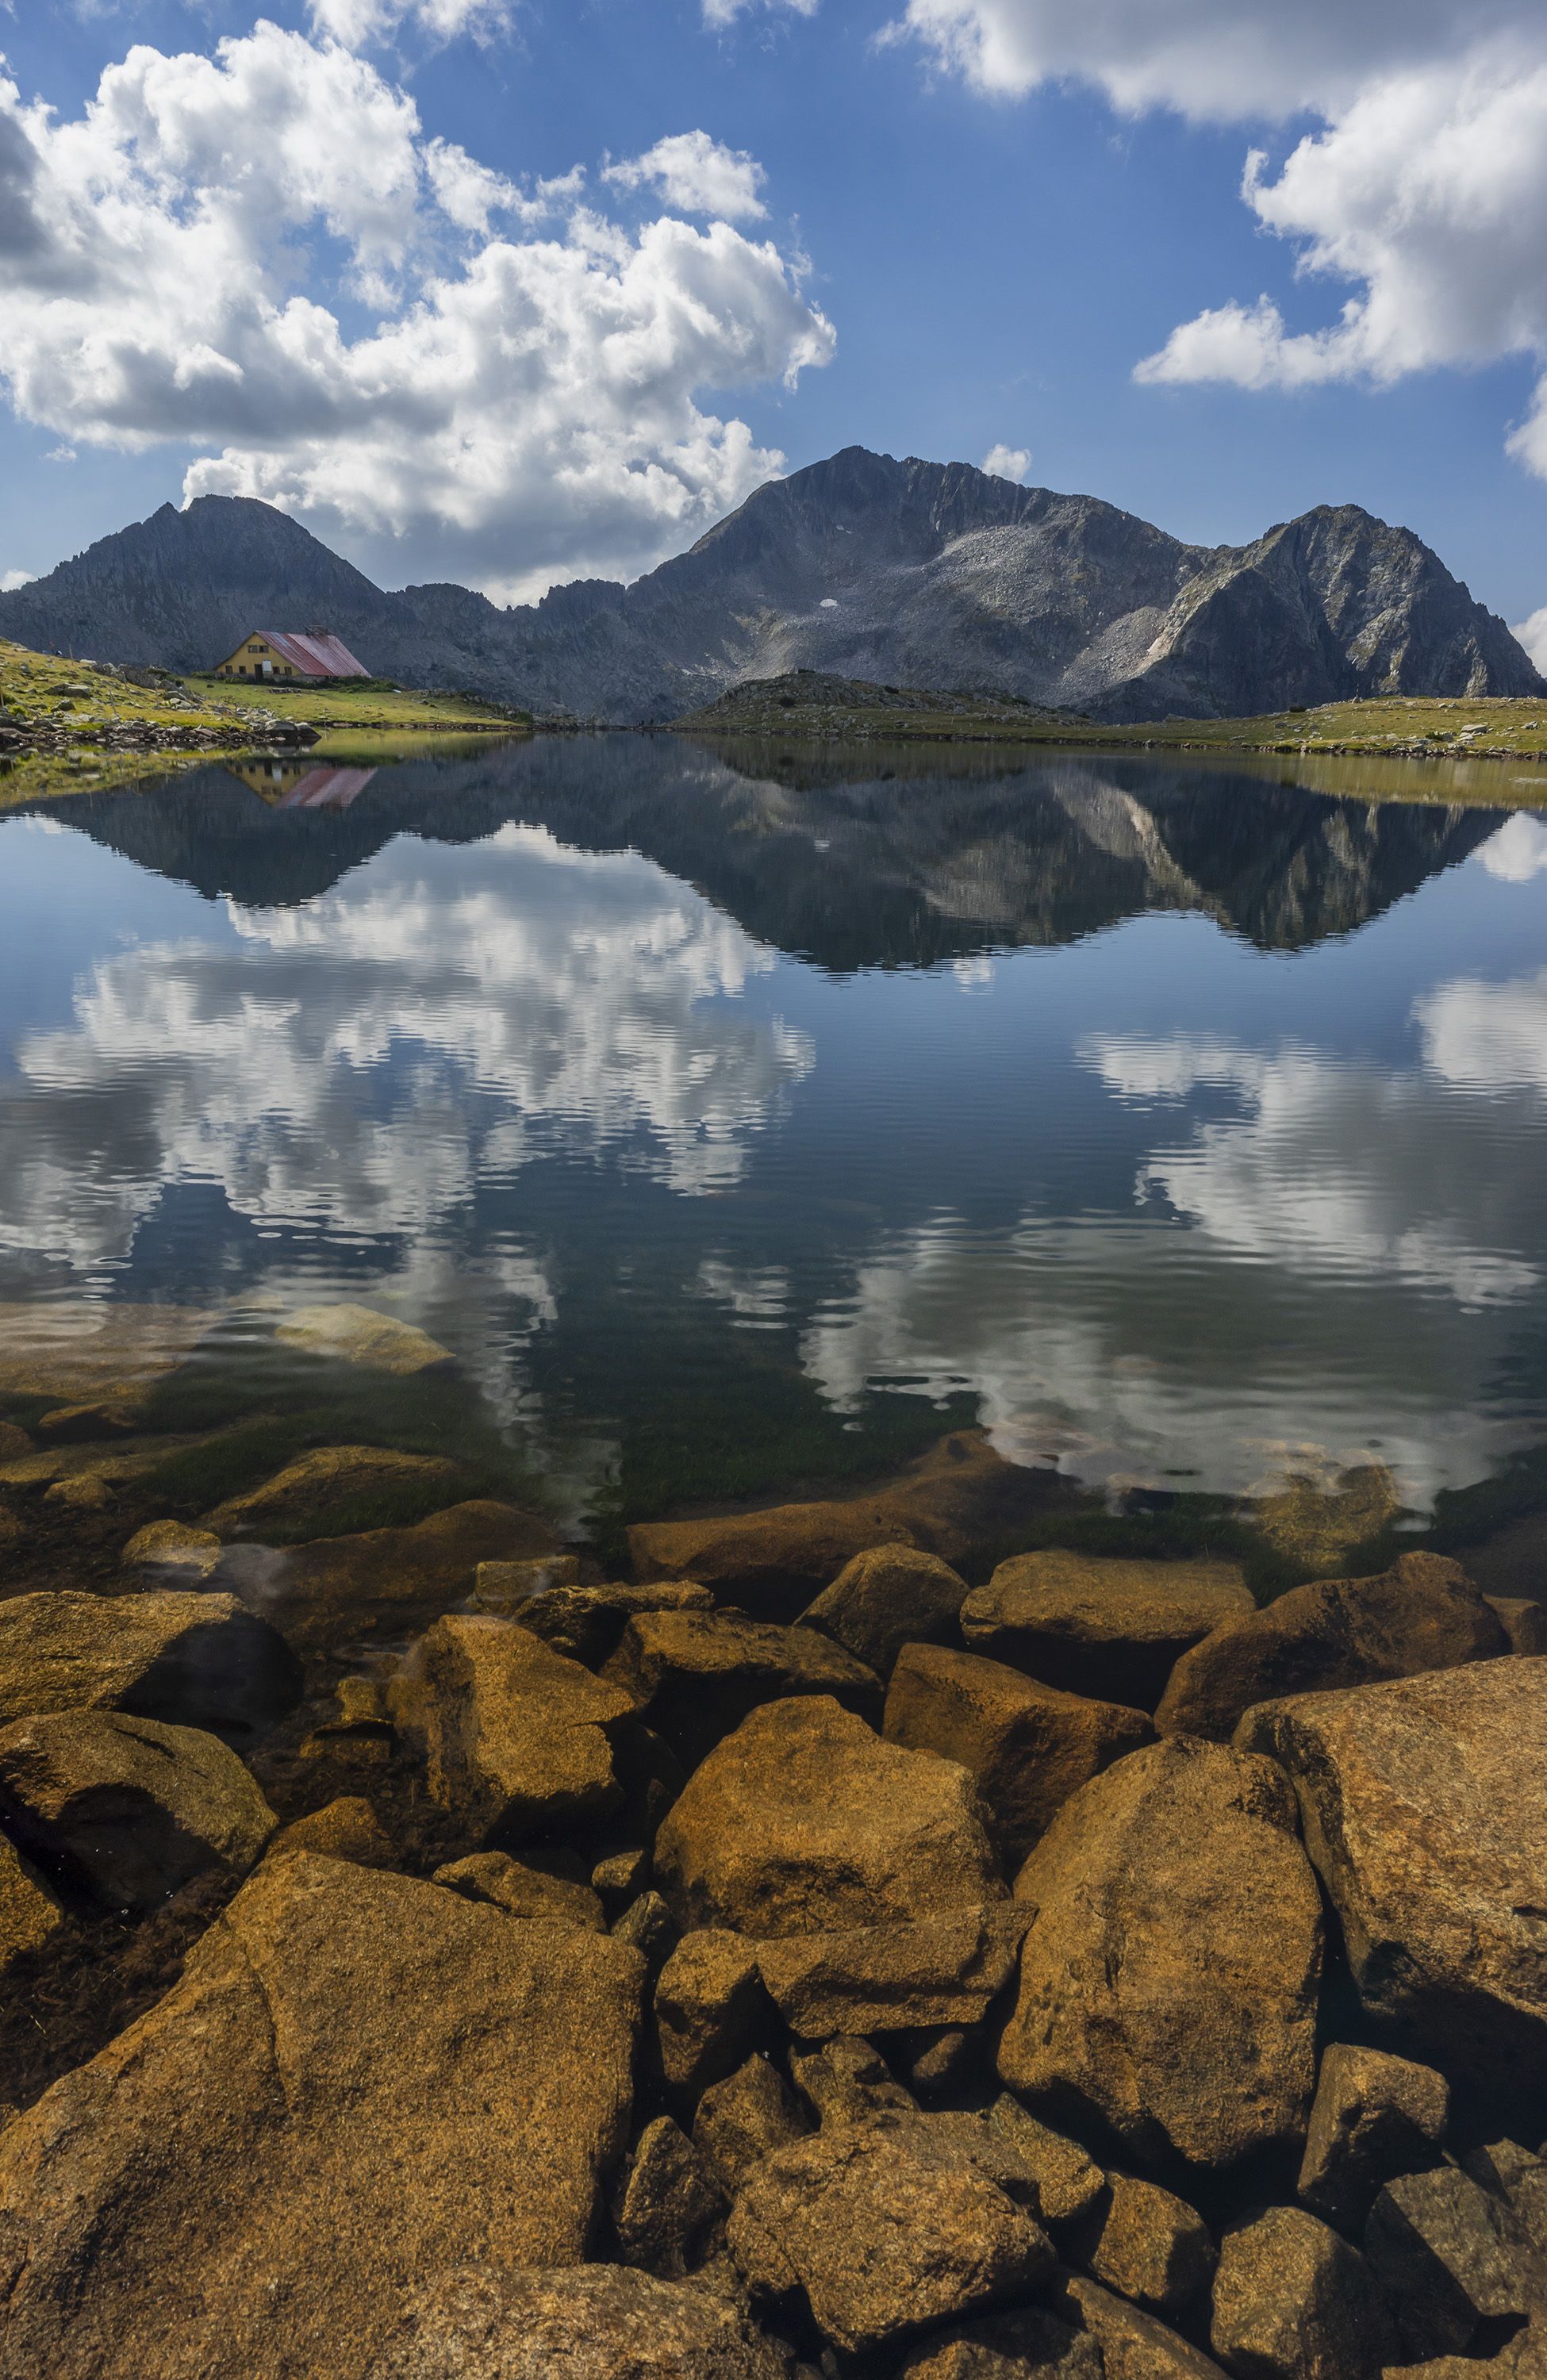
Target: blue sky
(971, 235)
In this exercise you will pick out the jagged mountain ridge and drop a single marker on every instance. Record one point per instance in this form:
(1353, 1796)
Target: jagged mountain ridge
(922, 574)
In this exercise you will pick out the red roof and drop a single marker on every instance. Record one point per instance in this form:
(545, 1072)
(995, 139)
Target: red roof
(319, 655)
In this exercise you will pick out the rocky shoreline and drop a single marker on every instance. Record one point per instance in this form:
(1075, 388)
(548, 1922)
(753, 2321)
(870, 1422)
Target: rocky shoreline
(823, 1952)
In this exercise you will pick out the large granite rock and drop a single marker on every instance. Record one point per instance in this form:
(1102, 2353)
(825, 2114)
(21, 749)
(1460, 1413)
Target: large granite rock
(318, 1482)
(193, 1661)
(1455, 2260)
(511, 1732)
(1168, 1984)
(886, 1598)
(1030, 1746)
(1424, 1803)
(1293, 2301)
(883, 2229)
(1097, 1625)
(695, 1675)
(712, 2011)
(1027, 2344)
(805, 1822)
(591, 2322)
(29, 1910)
(961, 1496)
(383, 1583)
(1374, 2117)
(1149, 2245)
(1423, 1613)
(357, 1334)
(359, 2079)
(940, 1971)
(1134, 2345)
(124, 1811)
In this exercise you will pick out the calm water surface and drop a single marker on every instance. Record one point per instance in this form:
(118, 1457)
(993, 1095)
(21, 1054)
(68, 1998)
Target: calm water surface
(733, 1119)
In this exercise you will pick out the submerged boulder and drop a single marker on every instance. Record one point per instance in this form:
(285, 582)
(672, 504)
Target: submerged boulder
(695, 1675)
(1134, 2345)
(1027, 2344)
(1030, 1746)
(315, 1483)
(598, 2321)
(1374, 2117)
(1149, 2245)
(939, 1971)
(886, 1598)
(125, 1811)
(803, 1821)
(1454, 2261)
(1423, 1613)
(510, 1731)
(29, 1910)
(1097, 1625)
(357, 1334)
(587, 1622)
(1293, 2301)
(712, 2011)
(193, 1661)
(525, 1888)
(1168, 1983)
(1424, 1802)
(359, 2079)
(382, 1580)
(173, 1546)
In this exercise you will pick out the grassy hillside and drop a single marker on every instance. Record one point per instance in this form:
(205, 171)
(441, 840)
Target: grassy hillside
(357, 706)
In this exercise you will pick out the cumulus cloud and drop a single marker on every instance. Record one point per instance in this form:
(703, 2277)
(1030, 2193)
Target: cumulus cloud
(1489, 1037)
(359, 23)
(718, 14)
(188, 261)
(1007, 462)
(1532, 634)
(11, 579)
(698, 175)
(1518, 851)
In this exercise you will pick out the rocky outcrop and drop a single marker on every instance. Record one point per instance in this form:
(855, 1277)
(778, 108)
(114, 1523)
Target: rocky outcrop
(805, 1822)
(694, 1675)
(123, 1811)
(193, 1661)
(1096, 1625)
(486, 2321)
(1423, 1613)
(888, 1597)
(1028, 1745)
(359, 2079)
(1168, 1983)
(1424, 1803)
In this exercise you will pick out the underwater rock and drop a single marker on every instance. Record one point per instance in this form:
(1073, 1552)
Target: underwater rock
(1134, 2345)
(744, 2119)
(939, 1971)
(1027, 2344)
(306, 1488)
(172, 1544)
(383, 1582)
(1293, 2301)
(525, 1888)
(29, 1910)
(347, 1828)
(357, 1334)
(712, 2011)
(97, 1353)
(886, 1598)
(1149, 2245)
(695, 1675)
(193, 1661)
(1374, 2117)
(599, 2321)
(1097, 1625)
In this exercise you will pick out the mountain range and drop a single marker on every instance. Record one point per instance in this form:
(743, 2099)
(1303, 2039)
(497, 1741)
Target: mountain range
(912, 573)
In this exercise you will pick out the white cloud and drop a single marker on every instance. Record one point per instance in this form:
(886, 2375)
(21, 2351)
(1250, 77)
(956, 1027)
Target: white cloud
(522, 403)
(720, 13)
(1007, 462)
(11, 579)
(1532, 634)
(1488, 1036)
(359, 23)
(1518, 851)
(697, 174)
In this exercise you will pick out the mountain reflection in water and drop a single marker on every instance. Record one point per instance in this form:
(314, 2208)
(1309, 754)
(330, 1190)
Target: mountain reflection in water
(718, 1110)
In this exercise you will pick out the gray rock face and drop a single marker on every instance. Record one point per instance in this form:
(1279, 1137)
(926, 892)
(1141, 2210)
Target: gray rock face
(600, 2321)
(920, 574)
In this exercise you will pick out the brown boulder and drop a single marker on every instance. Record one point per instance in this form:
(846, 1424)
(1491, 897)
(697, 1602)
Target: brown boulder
(347, 1828)
(360, 2078)
(886, 1598)
(503, 1586)
(125, 1811)
(1070, 2184)
(593, 2322)
(943, 1971)
(960, 1497)
(1293, 2301)
(386, 1582)
(587, 1622)
(327, 1476)
(1454, 2261)
(712, 2012)
(1149, 2245)
(1523, 1620)
(193, 1661)
(884, 2230)
(1030, 1746)
(510, 1731)
(805, 1822)
(1134, 2345)
(695, 1675)
(668, 2206)
(29, 1911)
(1097, 1625)
(1423, 1613)
(847, 2079)
(1424, 1803)
(1373, 2116)
(1168, 1984)
(524, 1889)
(172, 1545)
(744, 2119)
(1017, 2346)
(357, 1334)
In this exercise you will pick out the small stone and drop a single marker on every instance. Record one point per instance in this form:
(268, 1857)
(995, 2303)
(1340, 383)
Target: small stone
(650, 1927)
(669, 2207)
(348, 1828)
(525, 1888)
(86, 1492)
(933, 2059)
(126, 1810)
(1149, 2245)
(620, 1878)
(744, 2119)
(847, 2079)
(172, 1544)
(311, 1486)
(75, 1425)
(361, 1702)
(1097, 1625)
(1523, 1620)
(1374, 2117)
(1134, 2345)
(1293, 2301)
(1030, 1746)
(886, 1598)
(594, 2322)
(804, 1821)
(941, 1971)
(712, 2011)
(588, 1622)
(695, 1675)
(885, 2230)
(1019, 2346)
(1451, 2257)
(357, 1334)
(1070, 2184)
(503, 1586)
(29, 1911)
(14, 1442)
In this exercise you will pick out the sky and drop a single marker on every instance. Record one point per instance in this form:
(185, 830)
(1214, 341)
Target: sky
(511, 292)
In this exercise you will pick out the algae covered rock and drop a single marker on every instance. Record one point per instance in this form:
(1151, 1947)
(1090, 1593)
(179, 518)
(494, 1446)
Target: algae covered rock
(749, 2116)
(308, 1489)
(193, 1661)
(1134, 2345)
(173, 1546)
(668, 2205)
(712, 2011)
(125, 1811)
(357, 1334)
(1097, 1625)
(525, 1888)
(587, 1622)
(598, 2321)
(386, 1581)
(1424, 1803)
(1423, 1613)
(347, 1828)
(1026, 2344)
(886, 1598)
(1149, 2245)
(359, 2079)
(1453, 2258)
(1030, 1746)
(1169, 1981)
(803, 1821)
(695, 1675)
